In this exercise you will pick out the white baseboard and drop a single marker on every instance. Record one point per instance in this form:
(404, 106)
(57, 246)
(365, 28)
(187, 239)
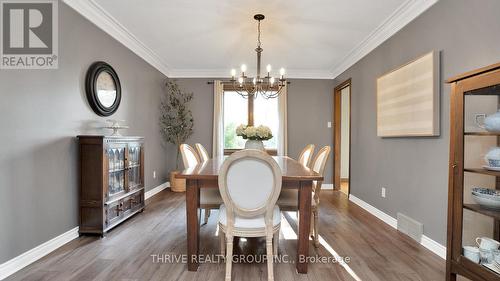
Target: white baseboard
(427, 242)
(12, 266)
(434, 246)
(154, 191)
(327, 186)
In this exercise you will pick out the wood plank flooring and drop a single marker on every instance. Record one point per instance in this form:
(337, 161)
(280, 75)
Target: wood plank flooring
(377, 252)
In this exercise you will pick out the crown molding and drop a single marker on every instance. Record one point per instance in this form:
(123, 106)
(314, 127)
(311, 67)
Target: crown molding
(102, 19)
(407, 12)
(224, 73)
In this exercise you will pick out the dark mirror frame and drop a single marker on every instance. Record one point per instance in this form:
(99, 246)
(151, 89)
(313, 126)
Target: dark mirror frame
(90, 87)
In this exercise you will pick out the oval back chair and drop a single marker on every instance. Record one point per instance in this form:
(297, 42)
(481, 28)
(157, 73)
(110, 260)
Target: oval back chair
(190, 157)
(202, 152)
(209, 197)
(306, 155)
(318, 165)
(250, 183)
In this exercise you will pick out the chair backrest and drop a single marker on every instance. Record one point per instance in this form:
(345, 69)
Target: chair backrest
(318, 165)
(306, 155)
(202, 152)
(250, 183)
(189, 156)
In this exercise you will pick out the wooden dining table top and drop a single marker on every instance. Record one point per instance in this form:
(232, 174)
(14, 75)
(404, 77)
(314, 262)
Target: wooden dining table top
(291, 170)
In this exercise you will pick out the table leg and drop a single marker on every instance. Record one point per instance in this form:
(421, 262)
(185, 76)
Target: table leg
(305, 192)
(193, 227)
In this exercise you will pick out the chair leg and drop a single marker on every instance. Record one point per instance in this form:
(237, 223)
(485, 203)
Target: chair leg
(316, 228)
(269, 251)
(222, 238)
(229, 256)
(311, 229)
(207, 214)
(276, 241)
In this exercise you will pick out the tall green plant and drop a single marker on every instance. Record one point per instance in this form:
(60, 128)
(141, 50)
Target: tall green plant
(176, 119)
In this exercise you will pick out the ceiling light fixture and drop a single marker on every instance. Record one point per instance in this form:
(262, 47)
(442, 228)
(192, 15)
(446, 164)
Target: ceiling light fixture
(267, 86)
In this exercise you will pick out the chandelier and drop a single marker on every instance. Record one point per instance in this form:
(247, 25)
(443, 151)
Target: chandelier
(267, 86)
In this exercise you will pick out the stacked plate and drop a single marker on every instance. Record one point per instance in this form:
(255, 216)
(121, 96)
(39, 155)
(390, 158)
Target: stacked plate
(487, 198)
(495, 266)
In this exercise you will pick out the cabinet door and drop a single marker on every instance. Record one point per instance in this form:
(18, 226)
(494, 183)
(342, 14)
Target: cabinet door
(115, 161)
(135, 160)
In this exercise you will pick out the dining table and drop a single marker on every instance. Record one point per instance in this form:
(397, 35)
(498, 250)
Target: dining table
(205, 175)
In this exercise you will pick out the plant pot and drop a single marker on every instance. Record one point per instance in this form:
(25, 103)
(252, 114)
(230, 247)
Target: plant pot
(255, 144)
(177, 185)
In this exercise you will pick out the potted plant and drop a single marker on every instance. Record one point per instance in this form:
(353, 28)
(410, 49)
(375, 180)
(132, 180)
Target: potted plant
(176, 125)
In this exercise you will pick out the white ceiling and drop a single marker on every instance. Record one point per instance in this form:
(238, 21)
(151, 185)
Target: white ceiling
(311, 39)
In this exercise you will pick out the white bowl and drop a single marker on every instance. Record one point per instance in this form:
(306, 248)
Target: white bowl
(486, 193)
(486, 202)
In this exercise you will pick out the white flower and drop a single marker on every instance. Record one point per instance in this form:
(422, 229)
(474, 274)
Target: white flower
(250, 132)
(254, 133)
(263, 132)
(240, 130)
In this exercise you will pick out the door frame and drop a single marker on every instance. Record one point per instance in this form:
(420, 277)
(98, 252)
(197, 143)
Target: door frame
(337, 133)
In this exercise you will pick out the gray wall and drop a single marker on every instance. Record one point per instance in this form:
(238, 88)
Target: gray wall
(41, 113)
(414, 170)
(310, 104)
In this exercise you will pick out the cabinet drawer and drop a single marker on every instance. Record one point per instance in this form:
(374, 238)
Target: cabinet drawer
(136, 201)
(113, 212)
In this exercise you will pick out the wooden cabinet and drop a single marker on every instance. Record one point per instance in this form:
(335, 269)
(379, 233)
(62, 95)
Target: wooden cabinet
(111, 181)
(481, 87)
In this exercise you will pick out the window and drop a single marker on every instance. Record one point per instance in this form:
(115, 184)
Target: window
(258, 111)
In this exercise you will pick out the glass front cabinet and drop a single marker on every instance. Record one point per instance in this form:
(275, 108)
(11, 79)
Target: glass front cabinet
(473, 247)
(111, 181)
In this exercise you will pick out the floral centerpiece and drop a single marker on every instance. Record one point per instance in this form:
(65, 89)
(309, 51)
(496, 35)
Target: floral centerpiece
(254, 135)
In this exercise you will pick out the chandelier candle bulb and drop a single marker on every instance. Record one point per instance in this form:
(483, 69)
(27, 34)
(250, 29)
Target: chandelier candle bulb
(268, 68)
(282, 72)
(233, 73)
(243, 68)
(272, 81)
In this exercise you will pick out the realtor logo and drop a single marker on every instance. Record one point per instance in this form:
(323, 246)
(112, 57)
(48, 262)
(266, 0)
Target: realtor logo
(28, 34)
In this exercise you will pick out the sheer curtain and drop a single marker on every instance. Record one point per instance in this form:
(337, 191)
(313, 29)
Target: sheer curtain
(218, 130)
(282, 131)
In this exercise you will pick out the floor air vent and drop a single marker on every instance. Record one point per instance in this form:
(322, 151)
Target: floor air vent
(410, 227)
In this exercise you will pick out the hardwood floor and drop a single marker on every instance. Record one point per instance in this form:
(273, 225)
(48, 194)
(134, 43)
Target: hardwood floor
(377, 252)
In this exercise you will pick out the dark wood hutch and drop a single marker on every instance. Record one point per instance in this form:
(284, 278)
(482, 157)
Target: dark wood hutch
(111, 187)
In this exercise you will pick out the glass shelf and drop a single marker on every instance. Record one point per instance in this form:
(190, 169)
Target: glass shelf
(482, 134)
(487, 212)
(482, 171)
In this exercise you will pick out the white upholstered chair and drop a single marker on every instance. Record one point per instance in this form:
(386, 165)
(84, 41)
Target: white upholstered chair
(202, 152)
(288, 200)
(209, 197)
(250, 183)
(288, 195)
(306, 155)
